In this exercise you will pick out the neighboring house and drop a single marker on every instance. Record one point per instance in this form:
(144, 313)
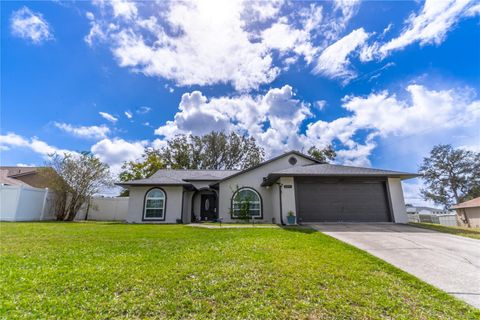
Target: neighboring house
(26, 176)
(426, 210)
(469, 212)
(290, 182)
(6, 180)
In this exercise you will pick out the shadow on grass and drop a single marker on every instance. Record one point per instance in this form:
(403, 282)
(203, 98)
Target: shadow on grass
(301, 229)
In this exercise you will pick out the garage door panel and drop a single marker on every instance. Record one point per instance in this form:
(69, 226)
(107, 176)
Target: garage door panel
(341, 200)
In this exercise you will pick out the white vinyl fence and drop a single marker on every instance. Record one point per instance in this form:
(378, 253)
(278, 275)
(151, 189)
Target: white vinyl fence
(444, 219)
(21, 203)
(105, 209)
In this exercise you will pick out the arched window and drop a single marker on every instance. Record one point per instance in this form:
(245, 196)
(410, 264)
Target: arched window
(246, 201)
(154, 205)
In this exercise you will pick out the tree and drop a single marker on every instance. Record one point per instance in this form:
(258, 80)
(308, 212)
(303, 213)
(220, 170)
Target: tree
(182, 152)
(450, 175)
(215, 150)
(76, 179)
(324, 155)
(152, 160)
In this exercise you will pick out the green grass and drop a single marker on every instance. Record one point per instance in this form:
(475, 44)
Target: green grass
(459, 231)
(120, 271)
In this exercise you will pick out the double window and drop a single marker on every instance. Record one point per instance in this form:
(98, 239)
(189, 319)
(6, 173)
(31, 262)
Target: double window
(154, 205)
(246, 202)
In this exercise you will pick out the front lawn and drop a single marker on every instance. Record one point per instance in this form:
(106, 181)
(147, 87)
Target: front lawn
(459, 231)
(108, 270)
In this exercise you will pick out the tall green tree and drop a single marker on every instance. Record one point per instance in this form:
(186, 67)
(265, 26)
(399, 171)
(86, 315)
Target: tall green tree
(215, 150)
(183, 152)
(450, 175)
(324, 155)
(151, 161)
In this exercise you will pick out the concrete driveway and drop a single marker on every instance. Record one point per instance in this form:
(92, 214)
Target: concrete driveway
(448, 262)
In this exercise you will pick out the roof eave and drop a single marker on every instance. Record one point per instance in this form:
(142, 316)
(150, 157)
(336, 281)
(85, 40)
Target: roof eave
(272, 178)
(202, 179)
(127, 184)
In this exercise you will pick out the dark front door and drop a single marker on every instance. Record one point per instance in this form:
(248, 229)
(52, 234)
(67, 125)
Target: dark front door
(208, 207)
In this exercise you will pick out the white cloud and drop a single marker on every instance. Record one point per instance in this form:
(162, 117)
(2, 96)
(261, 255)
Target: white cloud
(198, 54)
(424, 112)
(216, 42)
(334, 61)
(95, 32)
(170, 89)
(430, 26)
(320, 104)
(244, 113)
(90, 15)
(124, 9)
(12, 140)
(343, 12)
(30, 25)
(25, 165)
(472, 147)
(287, 39)
(275, 119)
(89, 132)
(428, 111)
(111, 151)
(115, 151)
(143, 110)
(108, 116)
(128, 114)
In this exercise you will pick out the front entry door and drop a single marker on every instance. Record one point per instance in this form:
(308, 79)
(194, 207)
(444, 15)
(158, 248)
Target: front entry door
(208, 209)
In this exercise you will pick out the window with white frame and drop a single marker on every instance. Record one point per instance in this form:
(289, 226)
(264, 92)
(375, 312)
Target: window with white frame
(154, 205)
(246, 200)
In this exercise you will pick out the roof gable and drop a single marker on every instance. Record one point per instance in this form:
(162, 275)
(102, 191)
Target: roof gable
(293, 152)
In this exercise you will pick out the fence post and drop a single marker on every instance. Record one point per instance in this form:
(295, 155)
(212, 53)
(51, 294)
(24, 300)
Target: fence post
(19, 194)
(42, 215)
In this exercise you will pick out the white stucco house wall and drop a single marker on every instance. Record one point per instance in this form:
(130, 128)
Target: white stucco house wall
(292, 182)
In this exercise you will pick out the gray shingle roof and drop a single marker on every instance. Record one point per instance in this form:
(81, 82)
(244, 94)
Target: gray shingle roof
(193, 174)
(183, 177)
(180, 177)
(328, 169)
(331, 170)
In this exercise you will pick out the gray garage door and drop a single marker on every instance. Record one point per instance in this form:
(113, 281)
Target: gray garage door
(341, 200)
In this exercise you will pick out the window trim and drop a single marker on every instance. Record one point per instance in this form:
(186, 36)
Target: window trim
(145, 205)
(259, 197)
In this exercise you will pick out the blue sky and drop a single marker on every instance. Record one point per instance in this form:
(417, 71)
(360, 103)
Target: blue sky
(382, 81)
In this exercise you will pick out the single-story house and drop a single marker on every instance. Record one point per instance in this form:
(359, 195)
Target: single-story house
(292, 182)
(469, 212)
